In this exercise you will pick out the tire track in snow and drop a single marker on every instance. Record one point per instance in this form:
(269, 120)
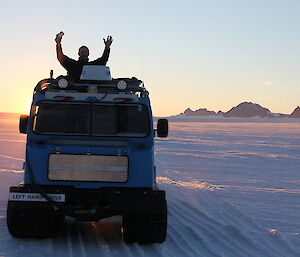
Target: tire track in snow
(177, 242)
(170, 202)
(232, 214)
(60, 242)
(190, 238)
(82, 246)
(267, 241)
(69, 240)
(223, 226)
(237, 221)
(218, 232)
(209, 229)
(167, 252)
(171, 246)
(178, 227)
(139, 251)
(163, 249)
(149, 250)
(231, 229)
(184, 244)
(187, 247)
(234, 223)
(171, 205)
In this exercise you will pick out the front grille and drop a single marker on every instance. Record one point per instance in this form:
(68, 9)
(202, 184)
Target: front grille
(70, 167)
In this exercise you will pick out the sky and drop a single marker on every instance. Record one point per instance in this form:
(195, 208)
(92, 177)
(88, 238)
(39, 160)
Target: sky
(210, 54)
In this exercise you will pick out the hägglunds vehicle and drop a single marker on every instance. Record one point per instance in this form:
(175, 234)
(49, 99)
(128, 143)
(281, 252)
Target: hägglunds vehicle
(89, 155)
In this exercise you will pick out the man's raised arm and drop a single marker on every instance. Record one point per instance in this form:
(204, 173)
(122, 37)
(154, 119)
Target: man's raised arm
(59, 53)
(104, 58)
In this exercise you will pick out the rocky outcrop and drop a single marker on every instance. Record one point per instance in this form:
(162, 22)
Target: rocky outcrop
(247, 110)
(243, 110)
(199, 112)
(295, 113)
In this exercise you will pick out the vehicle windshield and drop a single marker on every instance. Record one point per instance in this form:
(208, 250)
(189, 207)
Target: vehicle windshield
(128, 120)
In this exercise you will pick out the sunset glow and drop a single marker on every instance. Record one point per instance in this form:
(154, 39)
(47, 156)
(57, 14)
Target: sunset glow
(204, 54)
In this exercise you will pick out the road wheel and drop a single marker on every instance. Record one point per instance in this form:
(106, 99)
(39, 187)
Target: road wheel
(24, 221)
(145, 228)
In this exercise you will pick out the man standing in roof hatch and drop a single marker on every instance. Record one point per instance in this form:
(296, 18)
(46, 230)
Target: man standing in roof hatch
(74, 68)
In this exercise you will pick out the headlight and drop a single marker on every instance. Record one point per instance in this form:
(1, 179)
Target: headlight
(121, 85)
(62, 83)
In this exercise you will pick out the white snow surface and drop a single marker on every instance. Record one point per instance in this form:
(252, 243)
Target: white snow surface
(232, 188)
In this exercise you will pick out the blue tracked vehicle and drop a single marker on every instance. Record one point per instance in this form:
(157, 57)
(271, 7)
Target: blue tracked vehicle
(89, 155)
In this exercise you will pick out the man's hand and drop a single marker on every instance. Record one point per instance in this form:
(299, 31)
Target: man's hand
(108, 41)
(59, 37)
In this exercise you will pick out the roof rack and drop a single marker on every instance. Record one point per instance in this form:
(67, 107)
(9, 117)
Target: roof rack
(134, 85)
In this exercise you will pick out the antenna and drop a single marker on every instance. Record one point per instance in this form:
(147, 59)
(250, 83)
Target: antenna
(142, 53)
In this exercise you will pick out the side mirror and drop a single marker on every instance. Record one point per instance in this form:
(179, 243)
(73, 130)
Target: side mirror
(162, 128)
(23, 124)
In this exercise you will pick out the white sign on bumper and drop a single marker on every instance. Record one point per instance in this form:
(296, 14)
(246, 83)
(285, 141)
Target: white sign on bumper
(35, 197)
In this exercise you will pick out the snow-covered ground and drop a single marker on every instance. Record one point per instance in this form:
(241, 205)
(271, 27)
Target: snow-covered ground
(233, 189)
(219, 118)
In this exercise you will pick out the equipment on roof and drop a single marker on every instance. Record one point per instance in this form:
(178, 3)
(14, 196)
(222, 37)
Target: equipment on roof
(95, 73)
(119, 85)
